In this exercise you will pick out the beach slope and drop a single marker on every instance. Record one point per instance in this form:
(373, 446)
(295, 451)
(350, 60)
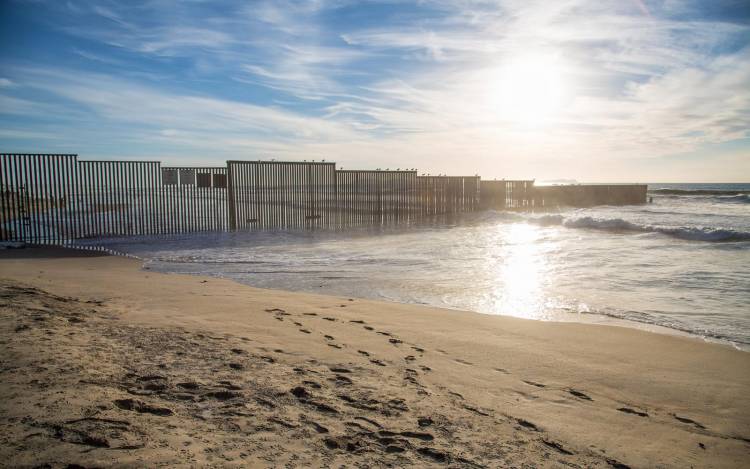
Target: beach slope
(106, 364)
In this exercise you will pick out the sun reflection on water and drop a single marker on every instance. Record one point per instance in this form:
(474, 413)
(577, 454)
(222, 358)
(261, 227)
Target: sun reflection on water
(520, 273)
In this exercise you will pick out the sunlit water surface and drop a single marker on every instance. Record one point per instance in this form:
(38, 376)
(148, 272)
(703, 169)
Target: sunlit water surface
(680, 263)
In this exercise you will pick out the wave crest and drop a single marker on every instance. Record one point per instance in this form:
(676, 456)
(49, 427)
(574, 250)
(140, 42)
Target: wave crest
(618, 225)
(698, 192)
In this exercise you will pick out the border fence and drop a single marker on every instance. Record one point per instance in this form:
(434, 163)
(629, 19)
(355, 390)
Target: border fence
(507, 195)
(57, 198)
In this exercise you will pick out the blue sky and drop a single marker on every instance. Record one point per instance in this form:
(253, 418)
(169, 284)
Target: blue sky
(625, 90)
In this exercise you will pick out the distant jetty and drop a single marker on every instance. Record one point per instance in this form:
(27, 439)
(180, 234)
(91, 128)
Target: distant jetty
(57, 198)
(524, 195)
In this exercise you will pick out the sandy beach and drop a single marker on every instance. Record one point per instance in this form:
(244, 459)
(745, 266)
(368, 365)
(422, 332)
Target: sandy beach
(106, 364)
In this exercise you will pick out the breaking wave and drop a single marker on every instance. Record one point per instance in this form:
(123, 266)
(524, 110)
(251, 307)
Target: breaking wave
(618, 225)
(698, 192)
(740, 196)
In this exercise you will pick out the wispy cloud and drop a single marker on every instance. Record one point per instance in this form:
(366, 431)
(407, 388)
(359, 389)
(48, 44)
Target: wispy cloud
(381, 83)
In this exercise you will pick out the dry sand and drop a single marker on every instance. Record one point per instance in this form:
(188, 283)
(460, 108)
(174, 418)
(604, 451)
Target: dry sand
(105, 364)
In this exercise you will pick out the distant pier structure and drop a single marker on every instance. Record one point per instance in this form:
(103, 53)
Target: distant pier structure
(524, 195)
(57, 198)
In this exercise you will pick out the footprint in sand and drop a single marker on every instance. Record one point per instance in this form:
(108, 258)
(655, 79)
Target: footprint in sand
(142, 407)
(189, 385)
(535, 384)
(342, 380)
(424, 421)
(580, 395)
(557, 446)
(628, 410)
(689, 421)
(317, 427)
(370, 421)
(526, 424)
(282, 422)
(229, 385)
(477, 410)
(435, 455)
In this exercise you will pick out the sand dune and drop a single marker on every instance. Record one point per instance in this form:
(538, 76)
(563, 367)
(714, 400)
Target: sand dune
(104, 364)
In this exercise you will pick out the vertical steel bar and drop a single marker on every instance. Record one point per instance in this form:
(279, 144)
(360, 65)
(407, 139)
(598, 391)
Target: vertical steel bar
(62, 197)
(241, 194)
(231, 206)
(18, 222)
(5, 233)
(39, 174)
(8, 229)
(34, 205)
(51, 190)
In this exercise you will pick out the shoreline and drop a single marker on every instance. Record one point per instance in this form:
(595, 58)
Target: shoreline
(525, 391)
(564, 316)
(615, 311)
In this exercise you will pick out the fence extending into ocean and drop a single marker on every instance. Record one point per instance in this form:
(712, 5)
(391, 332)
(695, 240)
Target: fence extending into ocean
(50, 198)
(57, 198)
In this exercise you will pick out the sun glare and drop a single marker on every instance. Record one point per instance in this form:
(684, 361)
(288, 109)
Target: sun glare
(521, 274)
(528, 90)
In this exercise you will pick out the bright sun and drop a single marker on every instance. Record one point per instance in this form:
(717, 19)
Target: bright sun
(528, 90)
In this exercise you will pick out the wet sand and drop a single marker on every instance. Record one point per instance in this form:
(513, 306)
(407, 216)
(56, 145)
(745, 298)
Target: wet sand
(105, 364)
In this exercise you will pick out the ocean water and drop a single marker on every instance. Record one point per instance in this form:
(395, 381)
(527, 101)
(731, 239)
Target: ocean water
(681, 262)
